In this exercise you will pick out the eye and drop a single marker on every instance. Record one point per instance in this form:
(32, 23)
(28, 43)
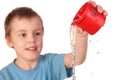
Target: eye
(22, 34)
(37, 33)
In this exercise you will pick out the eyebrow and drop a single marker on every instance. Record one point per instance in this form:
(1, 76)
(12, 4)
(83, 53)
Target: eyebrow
(26, 30)
(21, 31)
(38, 30)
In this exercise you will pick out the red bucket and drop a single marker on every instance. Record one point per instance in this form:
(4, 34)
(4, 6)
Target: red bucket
(89, 19)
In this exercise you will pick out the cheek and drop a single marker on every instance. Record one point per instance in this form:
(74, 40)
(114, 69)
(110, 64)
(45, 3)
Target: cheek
(40, 41)
(18, 43)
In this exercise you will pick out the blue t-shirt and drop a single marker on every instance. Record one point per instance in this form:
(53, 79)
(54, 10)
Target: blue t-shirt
(49, 67)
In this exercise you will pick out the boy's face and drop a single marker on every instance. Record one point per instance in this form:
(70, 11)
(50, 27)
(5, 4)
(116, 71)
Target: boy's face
(26, 37)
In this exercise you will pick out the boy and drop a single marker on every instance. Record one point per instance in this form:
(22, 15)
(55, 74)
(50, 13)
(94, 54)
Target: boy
(24, 33)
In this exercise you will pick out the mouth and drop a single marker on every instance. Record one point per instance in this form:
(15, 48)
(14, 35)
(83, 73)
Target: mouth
(32, 48)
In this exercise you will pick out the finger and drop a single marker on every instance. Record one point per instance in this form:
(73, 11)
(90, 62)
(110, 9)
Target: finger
(93, 3)
(105, 13)
(99, 9)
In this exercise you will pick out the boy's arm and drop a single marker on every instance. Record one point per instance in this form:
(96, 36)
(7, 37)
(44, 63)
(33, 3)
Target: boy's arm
(81, 42)
(80, 49)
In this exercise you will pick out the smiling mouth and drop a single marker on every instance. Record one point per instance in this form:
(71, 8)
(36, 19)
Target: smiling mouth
(31, 48)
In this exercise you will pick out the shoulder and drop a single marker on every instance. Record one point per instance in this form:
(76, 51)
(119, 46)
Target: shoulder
(4, 69)
(4, 72)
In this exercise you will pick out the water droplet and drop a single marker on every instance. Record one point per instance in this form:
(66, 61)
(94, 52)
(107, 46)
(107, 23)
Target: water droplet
(98, 52)
(90, 41)
(98, 40)
(91, 73)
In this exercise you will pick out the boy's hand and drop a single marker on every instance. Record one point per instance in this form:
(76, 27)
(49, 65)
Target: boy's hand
(81, 42)
(99, 8)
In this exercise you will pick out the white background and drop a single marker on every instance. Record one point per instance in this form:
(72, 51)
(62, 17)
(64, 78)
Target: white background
(103, 56)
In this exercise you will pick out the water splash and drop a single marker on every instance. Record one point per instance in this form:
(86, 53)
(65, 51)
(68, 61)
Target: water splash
(72, 40)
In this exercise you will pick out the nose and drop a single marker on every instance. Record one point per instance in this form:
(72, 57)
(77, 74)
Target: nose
(31, 39)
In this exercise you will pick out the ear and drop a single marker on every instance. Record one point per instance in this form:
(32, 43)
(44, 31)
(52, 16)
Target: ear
(9, 42)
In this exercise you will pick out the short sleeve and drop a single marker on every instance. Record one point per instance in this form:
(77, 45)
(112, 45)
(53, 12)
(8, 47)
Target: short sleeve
(59, 71)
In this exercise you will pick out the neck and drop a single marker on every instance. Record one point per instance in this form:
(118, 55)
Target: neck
(26, 64)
